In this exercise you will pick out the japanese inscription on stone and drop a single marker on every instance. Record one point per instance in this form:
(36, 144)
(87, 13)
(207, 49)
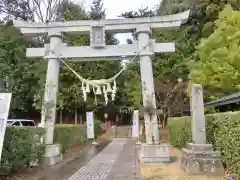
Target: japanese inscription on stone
(197, 113)
(5, 99)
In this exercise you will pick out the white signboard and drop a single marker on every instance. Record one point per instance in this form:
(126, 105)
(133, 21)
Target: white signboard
(90, 125)
(135, 126)
(5, 99)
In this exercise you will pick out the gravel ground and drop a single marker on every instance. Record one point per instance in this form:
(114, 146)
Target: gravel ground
(170, 171)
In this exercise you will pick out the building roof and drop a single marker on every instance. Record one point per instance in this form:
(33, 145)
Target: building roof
(233, 98)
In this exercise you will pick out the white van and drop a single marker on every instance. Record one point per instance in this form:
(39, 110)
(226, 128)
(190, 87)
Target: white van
(20, 122)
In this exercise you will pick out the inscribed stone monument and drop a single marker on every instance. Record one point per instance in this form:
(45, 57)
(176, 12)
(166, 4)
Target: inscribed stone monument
(90, 125)
(197, 113)
(199, 157)
(135, 126)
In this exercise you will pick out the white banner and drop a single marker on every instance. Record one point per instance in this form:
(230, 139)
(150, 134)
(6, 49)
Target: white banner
(5, 100)
(135, 126)
(90, 125)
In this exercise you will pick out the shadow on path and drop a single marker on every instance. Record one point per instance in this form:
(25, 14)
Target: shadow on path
(65, 171)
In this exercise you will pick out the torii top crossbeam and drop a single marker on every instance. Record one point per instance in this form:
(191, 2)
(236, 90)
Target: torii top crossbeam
(113, 25)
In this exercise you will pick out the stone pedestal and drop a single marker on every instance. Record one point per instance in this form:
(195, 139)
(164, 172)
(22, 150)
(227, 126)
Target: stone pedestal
(53, 154)
(201, 159)
(154, 153)
(138, 144)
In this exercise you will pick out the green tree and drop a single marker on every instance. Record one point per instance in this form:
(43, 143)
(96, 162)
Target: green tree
(218, 67)
(17, 72)
(210, 10)
(97, 12)
(174, 6)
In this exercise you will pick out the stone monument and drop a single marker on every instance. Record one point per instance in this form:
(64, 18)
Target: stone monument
(98, 50)
(135, 126)
(199, 157)
(90, 125)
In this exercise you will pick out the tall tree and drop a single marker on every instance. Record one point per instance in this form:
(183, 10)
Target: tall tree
(218, 67)
(210, 10)
(97, 11)
(174, 6)
(206, 13)
(19, 73)
(26, 77)
(144, 12)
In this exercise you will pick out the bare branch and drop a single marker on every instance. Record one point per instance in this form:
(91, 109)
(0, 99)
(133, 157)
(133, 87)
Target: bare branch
(49, 17)
(33, 10)
(55, 8)
(38, 10)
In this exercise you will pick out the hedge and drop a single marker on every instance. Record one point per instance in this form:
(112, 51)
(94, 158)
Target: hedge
(70, 135)
(21, 147)
(97, 128)
(73, 135)
(22, 144)
(223, 131)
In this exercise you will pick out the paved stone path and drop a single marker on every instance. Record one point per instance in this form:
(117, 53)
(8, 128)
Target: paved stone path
(116, 162)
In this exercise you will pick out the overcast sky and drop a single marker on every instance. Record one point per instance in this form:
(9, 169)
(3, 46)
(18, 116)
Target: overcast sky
(116, 7)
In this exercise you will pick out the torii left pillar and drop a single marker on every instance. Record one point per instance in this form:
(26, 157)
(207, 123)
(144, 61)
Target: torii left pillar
(53, 151)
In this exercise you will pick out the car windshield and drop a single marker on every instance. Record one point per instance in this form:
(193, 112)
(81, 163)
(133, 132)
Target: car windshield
(27, 123)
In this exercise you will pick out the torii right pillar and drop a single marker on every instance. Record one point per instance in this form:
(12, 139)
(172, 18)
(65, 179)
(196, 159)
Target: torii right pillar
(143, 35)
(150, 152)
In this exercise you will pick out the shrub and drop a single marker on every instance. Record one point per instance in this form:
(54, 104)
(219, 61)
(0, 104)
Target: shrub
(222, 131)
(97, 128)
(21, 147)
(179, 131)
(70, 135)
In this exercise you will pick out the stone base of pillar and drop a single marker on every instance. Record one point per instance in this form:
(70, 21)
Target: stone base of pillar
(154, 153)
(53, 154)
(201, 159)
(138, 144)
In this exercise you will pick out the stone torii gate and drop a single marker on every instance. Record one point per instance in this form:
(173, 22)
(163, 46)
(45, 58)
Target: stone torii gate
(99, 51)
